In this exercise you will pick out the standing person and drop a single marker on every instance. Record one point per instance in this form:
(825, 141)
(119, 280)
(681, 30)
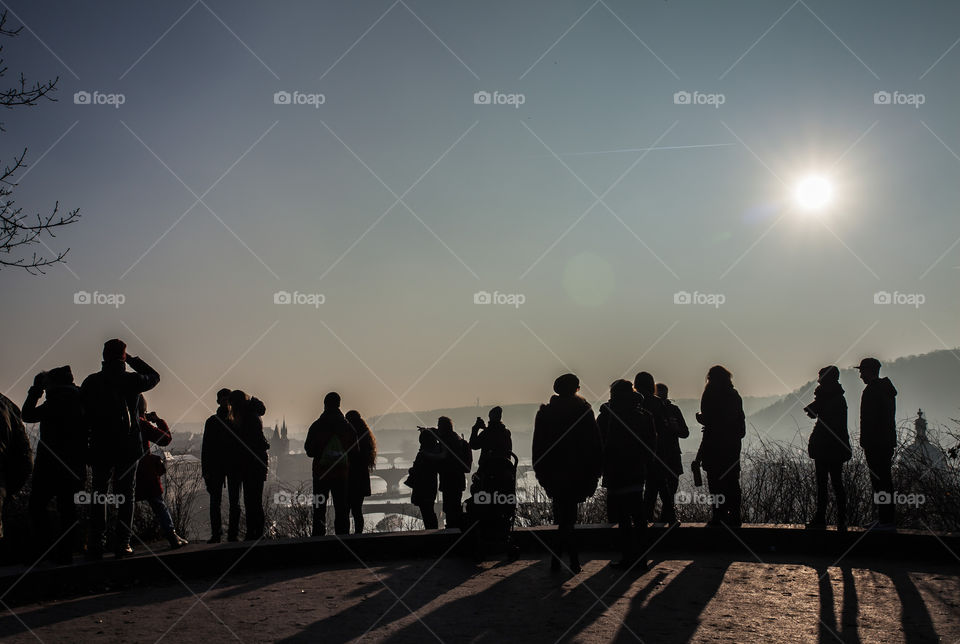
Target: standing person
(829, 445)
(878, 437)
(657, 473)
(329, 442)
(453, 469)
(724, 426)
(423, 477)
(151, 470)
(219, 453)
(672, 467)
(494, 440)
(629, 448)
(246, 422)
(59, 470)
(16, 456)
(567, 460)
(362, 461)
(110, 406)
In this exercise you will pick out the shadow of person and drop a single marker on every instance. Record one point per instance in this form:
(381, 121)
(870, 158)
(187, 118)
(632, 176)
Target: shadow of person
(828, 630)
(914, 616)
(673, 614)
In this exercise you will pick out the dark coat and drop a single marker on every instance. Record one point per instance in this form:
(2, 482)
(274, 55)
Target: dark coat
(252, 453)
(359, 462)
(878, 417)
(329, 462)
(220, 449)
(674, 428)
(456, 462)
(110, 403)
(567, 451)
(62, 448)
(724, 426)
(494, 441)
(423, 475)
(16, 456)
(629, 443)
(829, 440)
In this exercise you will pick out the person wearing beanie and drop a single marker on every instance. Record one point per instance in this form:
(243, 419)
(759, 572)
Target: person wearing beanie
(110, 407)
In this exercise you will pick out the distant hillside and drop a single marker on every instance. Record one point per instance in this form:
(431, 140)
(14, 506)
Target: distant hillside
(930, 381)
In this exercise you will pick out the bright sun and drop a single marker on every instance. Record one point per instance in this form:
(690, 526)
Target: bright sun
(813, 192)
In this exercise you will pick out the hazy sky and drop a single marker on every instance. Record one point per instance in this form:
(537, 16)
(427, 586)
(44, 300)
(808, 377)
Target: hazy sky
(399, 197)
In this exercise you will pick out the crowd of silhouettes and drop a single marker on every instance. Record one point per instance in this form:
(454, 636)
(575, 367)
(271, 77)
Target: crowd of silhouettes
(631, 448)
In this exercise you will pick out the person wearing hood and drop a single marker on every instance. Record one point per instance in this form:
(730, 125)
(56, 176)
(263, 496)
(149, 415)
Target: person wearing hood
(453, 469)
(219, 453)
(246, 422)
(423, 477)
(724, 426)
(629, 449)
(59, 471)
(110, 407)
(829, 445)
(878, 437)
(567, 460)
(330, 440)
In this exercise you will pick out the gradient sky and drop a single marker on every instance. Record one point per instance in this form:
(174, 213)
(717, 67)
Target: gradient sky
(295, 188)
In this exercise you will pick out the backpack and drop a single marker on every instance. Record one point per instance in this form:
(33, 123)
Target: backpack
(333, 453)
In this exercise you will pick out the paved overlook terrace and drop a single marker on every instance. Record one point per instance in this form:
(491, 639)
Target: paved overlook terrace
(755, 583)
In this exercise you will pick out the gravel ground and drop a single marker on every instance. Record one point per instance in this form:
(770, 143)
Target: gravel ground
(708, 599)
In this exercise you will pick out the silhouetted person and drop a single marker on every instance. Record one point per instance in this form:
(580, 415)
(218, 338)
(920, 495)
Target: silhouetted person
(664, 470)
(329, 442)
(110, 404)
(453, 468)
(59, 470)
(245, 420)
(567, 459)
(219, 456)
(878, 437)
(724, 426)
(151, 469)
(363, 460)
(676, 429)
(423, 477)
(494, 440)
(16, 456)
(829, 445)
(629, 448)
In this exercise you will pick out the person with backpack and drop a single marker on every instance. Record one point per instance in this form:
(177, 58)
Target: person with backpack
(453, 469)
(567, 460)
(329, 442)
(671, 467)
(151, 469)
(724, 426)
(110, 404)
(423, 475)
(219, 454)
(59, 471)
(16, 455)
(246, 422)
(363, 460)
(629, 449)
(829, 445)
(878, 438)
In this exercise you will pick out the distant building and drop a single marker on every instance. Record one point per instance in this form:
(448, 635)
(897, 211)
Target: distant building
(280, 453)
(921, 454)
